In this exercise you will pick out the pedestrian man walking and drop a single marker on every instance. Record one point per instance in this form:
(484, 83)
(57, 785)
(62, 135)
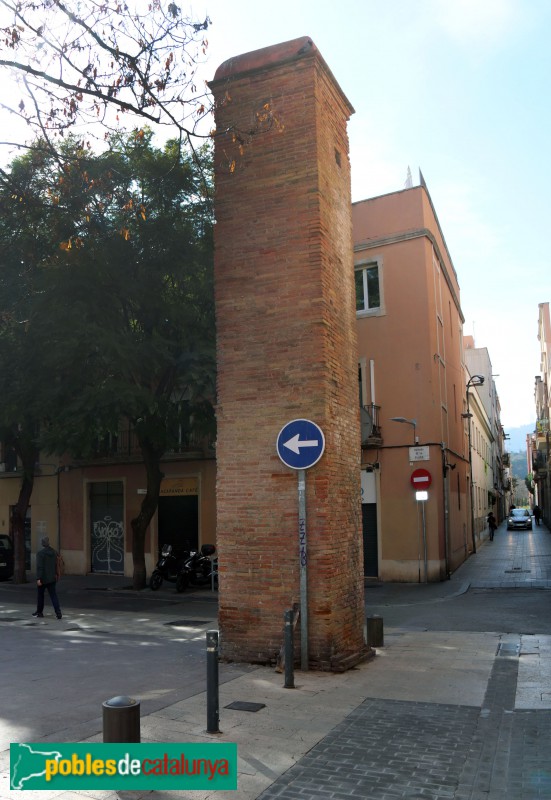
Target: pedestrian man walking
(46, 578)
(492, 525)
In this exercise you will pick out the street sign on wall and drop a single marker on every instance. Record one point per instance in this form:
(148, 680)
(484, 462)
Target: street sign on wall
(419, 453)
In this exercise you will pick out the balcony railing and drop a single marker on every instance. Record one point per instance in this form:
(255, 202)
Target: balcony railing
(371, 431)
(124, 445)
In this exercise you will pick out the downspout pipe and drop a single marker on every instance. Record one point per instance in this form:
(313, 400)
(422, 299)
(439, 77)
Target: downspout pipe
(445, 468)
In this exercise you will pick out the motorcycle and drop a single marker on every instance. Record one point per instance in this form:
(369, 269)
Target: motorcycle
(167, 569)
(198, 569)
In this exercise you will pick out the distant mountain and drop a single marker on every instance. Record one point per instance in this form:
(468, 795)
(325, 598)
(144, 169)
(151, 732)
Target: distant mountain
(519, 467)
(517, 438)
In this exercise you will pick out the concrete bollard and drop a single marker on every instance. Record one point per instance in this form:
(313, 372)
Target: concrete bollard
(375, 637)
(121, 720)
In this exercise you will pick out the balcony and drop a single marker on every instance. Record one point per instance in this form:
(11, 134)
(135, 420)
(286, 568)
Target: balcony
(539, 462)
(123, 447)
(371, 431)
(506, 459)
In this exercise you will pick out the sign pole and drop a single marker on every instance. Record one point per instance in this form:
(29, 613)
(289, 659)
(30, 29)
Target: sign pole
(421, 479)
(303, 569)
(300, 445)
(425, 541)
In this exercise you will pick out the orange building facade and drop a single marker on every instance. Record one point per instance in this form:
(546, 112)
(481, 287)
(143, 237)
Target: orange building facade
(410, 367)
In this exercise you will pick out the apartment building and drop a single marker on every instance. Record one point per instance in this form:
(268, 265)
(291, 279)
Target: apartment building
(86, 506)
(490, 463)
(412, 390)
(539, 444)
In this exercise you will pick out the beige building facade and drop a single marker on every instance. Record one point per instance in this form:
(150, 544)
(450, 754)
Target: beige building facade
(86, 508)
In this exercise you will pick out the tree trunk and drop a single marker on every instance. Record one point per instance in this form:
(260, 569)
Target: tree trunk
(152, 458)
(19, 515)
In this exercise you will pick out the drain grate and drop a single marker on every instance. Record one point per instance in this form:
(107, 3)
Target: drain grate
(188, 623)
(517, 571)
(243, 705)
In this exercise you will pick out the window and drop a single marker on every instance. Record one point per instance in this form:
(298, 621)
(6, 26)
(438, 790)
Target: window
(368, 289)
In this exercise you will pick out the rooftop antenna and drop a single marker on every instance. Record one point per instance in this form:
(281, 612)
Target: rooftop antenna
(409, 180)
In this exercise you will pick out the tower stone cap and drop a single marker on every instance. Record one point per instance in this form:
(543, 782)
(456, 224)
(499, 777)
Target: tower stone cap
(270, 57)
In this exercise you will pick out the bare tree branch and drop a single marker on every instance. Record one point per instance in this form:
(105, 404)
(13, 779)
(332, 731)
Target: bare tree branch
(105, 59)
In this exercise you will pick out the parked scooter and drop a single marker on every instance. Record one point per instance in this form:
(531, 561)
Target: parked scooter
(199, 569)
(167, 569)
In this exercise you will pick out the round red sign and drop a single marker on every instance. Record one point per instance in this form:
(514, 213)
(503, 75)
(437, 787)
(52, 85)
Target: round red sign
(421, 478)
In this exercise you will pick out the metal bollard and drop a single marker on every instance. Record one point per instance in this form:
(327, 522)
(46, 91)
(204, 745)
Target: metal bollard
(121, 720)
(212, 683)
(289, 650)
(375, 637)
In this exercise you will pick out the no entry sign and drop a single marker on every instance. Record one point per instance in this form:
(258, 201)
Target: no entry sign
(421, 479)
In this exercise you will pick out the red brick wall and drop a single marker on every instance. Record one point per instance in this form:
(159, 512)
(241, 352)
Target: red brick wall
(286, 349)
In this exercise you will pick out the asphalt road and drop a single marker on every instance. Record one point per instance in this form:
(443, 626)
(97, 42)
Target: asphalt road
(521, 611)
(55, 674)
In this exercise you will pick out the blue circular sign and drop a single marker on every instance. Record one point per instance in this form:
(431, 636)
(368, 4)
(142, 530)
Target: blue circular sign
(300, 444)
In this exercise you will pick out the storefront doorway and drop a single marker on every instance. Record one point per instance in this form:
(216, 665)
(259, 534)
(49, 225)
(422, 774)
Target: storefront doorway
(107, 527)
(178, 514)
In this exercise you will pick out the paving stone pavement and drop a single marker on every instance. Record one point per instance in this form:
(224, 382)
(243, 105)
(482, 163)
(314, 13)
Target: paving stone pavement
(385, 750)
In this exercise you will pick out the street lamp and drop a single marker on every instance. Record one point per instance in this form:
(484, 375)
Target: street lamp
(474, 380)
(408, 422)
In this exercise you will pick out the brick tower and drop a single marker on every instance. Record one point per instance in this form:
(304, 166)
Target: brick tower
(286, 340)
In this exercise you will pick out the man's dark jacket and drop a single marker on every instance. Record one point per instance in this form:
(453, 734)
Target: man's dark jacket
(46, 565)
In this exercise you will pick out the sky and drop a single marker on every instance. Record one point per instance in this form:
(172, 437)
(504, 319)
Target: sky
(460, 90)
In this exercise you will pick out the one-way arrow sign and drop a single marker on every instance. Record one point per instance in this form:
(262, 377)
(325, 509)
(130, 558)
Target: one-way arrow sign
(295, 444)
(300, 444)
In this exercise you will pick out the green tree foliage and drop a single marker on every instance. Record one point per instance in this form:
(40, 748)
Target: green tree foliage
(27, 240)
(121, 305)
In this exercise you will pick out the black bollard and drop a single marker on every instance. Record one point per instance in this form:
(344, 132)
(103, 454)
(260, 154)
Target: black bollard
(121, 720)
(375, 636)
(212, 683)
(289, 650)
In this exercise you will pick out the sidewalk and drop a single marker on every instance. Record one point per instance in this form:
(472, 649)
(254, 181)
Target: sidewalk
(434, 715)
